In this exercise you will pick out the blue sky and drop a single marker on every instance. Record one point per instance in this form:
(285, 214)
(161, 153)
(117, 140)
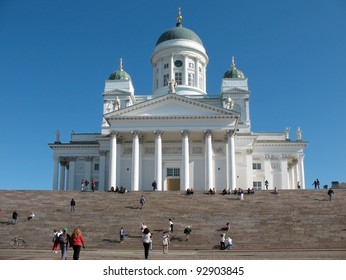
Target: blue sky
(56, 55)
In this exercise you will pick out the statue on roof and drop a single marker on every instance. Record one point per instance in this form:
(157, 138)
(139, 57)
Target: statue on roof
(171, 86)
(299, 134)
(229, 103)
(57, 137)
(287, 133)
(116, 104)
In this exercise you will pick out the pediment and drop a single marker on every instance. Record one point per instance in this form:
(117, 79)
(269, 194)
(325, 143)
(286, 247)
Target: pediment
(170, 105)
(117, 92)
(235, 90)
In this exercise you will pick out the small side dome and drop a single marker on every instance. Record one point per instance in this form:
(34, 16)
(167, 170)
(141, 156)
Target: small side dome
(120, 74)
(233, 72)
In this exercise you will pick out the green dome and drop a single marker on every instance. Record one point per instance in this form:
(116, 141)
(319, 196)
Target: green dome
(120, 74)
(233, 72)
(179, 32)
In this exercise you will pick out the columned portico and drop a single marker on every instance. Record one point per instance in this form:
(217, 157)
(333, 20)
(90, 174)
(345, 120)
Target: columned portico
(158, 159)
(135, 161)
(185, 182)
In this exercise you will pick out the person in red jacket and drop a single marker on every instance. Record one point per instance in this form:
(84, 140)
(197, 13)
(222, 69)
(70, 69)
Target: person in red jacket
(77, 242)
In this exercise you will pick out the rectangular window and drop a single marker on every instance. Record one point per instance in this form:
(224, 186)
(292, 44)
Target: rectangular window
(165, 66)
(257, 166)
(191, 65)
(191, 81)
(179, 78)
(173, 172)
(257, 185)
(96, 166)
(165, 80)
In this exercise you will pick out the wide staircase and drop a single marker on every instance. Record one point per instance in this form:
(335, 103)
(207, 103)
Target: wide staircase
(289, 220)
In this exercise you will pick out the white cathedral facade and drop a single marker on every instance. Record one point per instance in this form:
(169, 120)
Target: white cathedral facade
(180, 136)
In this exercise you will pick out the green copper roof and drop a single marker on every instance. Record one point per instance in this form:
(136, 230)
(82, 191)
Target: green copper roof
(179, 32)
(233, 72)
(120, 74)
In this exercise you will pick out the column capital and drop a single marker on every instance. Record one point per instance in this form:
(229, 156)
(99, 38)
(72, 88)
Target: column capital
(88, 158)
(102, 152)
(63, 162)
(207, 132)
(158, 132)
(114, 133)
(267, 156)
(135, 133)
(231, 132)
(185, 132)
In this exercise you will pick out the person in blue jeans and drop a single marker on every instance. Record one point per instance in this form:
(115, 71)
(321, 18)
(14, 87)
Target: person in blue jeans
(64, 241)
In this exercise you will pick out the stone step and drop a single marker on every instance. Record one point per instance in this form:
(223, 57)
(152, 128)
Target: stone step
(292, 219)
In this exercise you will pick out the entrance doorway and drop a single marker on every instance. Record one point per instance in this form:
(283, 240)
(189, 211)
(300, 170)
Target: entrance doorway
(173, 184)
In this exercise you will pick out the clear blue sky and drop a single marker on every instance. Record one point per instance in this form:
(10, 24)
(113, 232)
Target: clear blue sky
(56, 55)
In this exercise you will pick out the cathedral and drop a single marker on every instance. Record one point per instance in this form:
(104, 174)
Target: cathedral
(180, 136)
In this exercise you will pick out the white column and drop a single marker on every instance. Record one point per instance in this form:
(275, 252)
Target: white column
(62, 174)
(88, 166)
(249, 168)
(204, 78)
(113, 160)
(296, 177)
(301, 171)
(185, 184)
(284, 172)
(160, 74)
(72, 171)
(56, 173)
(102, 171)
(171, 69)
(158, 159)
(247, 111)
(208, 160)
(185, 73)
(290, 176)
(197, 72)
(231, 172)
(135, 161)
(267, 172)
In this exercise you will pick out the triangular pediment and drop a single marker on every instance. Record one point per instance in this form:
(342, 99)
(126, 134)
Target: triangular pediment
(168, 106)
(235, 90)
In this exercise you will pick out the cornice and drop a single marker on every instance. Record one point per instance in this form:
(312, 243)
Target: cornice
(123, 118)
(71, 146)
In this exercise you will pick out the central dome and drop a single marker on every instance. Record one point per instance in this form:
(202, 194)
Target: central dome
(179, 32)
